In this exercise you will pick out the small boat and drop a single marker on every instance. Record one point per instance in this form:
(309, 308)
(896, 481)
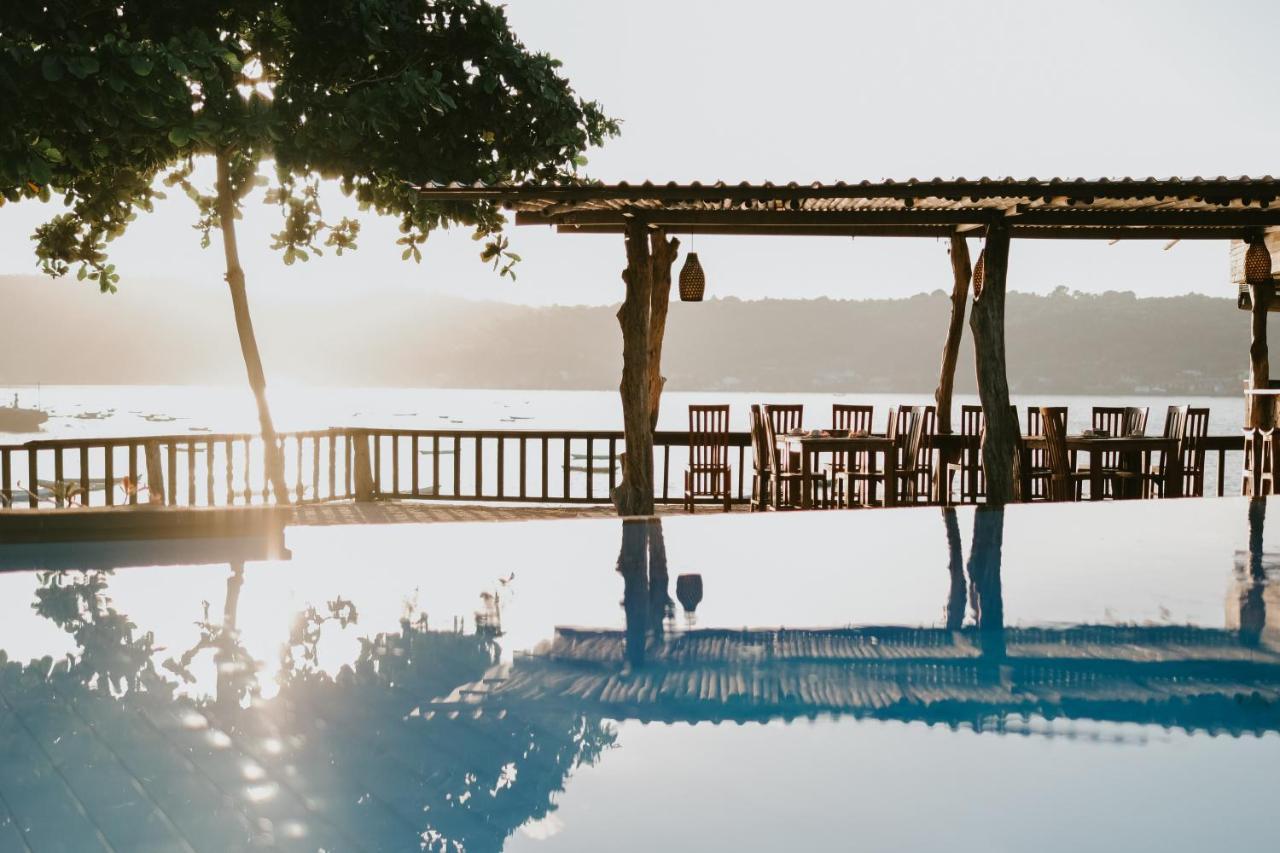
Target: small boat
(14, 418)
(94, 416)
(159, 419)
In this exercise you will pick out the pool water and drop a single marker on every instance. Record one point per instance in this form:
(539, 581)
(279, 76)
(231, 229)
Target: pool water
(1063, 677)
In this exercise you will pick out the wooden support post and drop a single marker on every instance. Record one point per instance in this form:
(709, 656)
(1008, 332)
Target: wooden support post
(634, 495)
(1000, 438)
(155, 473)
(363, 467)
(662, 255)
(961, 272)
(1262, 408)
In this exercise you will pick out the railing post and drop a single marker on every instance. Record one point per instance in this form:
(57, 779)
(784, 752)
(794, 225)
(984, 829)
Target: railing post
(155, 474)
(363, 467)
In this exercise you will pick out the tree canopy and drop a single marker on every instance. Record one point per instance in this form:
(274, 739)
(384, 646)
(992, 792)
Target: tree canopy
(102, 97)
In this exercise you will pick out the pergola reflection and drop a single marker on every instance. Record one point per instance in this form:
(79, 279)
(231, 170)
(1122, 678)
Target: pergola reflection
(980, 674)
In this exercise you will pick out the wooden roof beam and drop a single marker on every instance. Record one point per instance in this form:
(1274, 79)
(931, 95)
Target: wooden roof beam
(1033, 232)
(676, 220)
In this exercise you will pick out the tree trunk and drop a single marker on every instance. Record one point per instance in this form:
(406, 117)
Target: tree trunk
(1261, 408)
(960, 275)
(634, 495)
(274, 459)
(662, 255)
(1000, 438)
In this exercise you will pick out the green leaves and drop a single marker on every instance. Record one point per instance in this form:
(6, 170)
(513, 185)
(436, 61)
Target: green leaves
(51, 69)
(82, 66)
(385, 100)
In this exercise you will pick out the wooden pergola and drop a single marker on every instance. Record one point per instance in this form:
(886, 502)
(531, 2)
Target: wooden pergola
(992, 210)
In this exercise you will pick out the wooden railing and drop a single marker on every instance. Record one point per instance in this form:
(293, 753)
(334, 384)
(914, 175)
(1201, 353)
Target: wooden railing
(539, 466)
(225, 469)
(458, 465)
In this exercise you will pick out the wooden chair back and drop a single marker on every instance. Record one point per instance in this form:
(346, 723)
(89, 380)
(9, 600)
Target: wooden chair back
(784, 417)
(1173, 420)
(1035, 426)
(918, 421)
(1135, 420)
(1035, 422)
(769, 424)
(759, 454)
(972, 422)
(708, 440)
(1054, 421)
(845, 416)
(1109, 419)
(1195, 426)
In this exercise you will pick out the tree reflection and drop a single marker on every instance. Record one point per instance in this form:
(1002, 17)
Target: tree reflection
(984, 578)
(114, 657)
(1253, 606)
(373, 750)
(237, 671)
(953, 613)
(646, 601)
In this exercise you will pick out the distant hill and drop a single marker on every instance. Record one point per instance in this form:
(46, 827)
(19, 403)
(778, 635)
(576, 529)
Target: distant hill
(153, 332)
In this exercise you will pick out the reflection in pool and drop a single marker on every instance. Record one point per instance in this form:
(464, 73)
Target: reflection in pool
(487, 687)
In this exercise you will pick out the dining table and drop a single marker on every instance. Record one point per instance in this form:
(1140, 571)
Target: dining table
(1134, 452)
(807, 446)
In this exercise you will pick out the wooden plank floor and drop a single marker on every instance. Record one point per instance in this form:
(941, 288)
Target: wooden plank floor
(410, 512)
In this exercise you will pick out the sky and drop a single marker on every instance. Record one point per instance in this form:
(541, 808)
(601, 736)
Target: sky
(748, 90)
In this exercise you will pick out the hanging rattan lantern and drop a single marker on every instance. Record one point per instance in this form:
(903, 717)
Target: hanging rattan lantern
(692, 279)
(978, 272)
(1257, 264)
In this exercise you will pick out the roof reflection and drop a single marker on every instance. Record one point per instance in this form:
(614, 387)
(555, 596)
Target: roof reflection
(981, 675)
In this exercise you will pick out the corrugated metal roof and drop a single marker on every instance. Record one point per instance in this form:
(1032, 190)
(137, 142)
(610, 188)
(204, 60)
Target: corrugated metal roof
(935, 205)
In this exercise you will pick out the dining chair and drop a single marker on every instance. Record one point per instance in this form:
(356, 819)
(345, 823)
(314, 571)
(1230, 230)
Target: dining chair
(785, 481)
(1153, 478)
(1062, 483)
(845, 418)
(915, 473)
(1039, 464)
(785, 417)
(1109, 420)
(1190, 426)
(708, 472)
(760, 475)
(968, 467)
(1195, 428)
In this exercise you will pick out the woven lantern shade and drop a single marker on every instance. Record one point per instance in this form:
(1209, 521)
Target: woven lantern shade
(1257, 264)
(693, 282)
(978, 273)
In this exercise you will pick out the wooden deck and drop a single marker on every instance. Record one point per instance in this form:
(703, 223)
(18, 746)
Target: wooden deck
(417, 512)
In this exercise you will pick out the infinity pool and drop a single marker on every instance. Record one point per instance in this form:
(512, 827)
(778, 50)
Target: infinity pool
(1044, 678)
